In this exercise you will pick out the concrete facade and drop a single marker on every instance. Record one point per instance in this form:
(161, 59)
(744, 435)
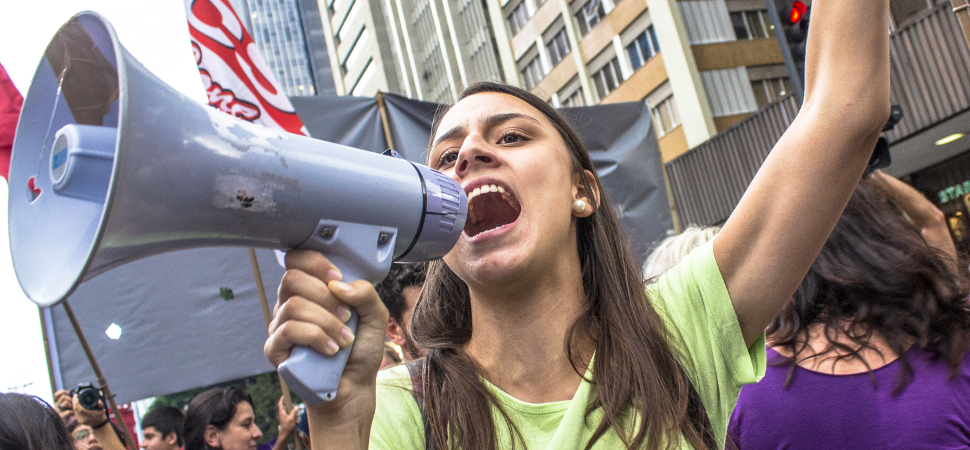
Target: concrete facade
(701, 65)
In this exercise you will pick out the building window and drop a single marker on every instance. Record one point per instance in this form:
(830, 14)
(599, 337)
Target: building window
(589, 15)
(558, 47)
(643, 48)
(752, 24)
(665, 115)
(608, 78)
(768, 90)
(517, 18)
(576, 99)
(532, 73)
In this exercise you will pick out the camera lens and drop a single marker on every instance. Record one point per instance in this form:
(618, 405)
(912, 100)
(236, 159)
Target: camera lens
(88, 397)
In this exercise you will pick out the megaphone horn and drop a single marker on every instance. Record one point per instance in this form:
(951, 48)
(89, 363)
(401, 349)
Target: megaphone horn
(110, 165)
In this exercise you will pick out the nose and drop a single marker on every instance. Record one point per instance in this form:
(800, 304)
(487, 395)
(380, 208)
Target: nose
(474, 153)
(257, 435)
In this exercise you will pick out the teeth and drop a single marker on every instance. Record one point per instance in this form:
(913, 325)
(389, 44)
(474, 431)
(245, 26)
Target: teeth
(485, 190)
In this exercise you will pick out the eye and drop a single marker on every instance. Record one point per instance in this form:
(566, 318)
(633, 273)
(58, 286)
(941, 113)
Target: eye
(511, 138)
(447, 158)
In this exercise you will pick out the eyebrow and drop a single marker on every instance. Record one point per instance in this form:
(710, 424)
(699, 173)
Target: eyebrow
(489, 122)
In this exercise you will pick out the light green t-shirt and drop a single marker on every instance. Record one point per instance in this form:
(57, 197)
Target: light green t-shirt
(692, 298)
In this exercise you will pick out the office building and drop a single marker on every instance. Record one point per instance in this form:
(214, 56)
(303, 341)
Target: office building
(422, 49)
(701, 65)
(289, 34)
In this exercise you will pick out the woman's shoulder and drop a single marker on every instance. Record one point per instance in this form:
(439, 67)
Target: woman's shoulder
(695, 277)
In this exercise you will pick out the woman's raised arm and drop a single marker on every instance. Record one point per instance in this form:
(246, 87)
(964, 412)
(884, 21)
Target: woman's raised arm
(770, 241)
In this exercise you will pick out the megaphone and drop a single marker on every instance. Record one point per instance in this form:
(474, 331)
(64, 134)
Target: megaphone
(110, 165)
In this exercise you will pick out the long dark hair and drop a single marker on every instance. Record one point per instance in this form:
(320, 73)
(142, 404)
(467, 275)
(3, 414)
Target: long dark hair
(877, 277)
(214, 407)
(29, 423)
(634, 365)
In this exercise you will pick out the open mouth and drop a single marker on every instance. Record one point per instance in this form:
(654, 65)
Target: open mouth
(490, 207)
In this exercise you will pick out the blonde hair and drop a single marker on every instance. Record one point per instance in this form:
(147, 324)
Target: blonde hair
(671, 250)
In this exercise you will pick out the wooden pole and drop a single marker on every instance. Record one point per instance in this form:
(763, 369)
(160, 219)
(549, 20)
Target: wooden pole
(962, 10)
(385, 122)
(97, 372)
(261, 289)
(47, 350)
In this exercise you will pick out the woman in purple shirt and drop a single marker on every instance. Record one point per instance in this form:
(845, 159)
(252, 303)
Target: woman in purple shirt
(872, 352)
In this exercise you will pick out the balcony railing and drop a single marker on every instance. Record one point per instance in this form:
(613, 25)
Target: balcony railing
(930, 65)
(707, 182)
(930, 62)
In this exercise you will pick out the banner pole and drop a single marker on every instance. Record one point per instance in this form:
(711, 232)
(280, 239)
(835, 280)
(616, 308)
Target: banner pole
(385, 122)
(47, 350)
(261, 289)
(102, 382)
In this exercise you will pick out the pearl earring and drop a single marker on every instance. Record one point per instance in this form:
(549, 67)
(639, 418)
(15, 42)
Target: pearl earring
(579, 206)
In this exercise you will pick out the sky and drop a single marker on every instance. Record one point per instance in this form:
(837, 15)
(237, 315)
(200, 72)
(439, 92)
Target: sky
(156, 34)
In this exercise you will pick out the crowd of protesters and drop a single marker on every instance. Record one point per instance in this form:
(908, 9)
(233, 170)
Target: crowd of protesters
(538, 329)
(833, 315)
(870, 352)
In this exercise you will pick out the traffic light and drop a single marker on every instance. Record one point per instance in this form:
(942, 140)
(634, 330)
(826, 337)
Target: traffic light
(791, 19)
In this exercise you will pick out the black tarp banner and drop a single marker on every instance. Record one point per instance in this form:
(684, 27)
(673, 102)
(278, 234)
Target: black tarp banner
(178, 331)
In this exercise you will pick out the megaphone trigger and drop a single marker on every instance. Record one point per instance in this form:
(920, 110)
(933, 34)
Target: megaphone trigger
(361, 252)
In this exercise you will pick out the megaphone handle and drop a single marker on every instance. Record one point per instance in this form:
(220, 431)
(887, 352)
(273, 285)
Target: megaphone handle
(360, 251)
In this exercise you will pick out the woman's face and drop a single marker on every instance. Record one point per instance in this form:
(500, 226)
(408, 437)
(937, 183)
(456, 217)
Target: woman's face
(241, 433)
(515, 168)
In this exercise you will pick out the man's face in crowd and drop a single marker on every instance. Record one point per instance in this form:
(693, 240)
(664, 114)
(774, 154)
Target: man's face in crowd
(153, 440)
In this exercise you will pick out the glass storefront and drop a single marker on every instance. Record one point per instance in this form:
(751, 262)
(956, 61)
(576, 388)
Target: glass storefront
(947, 185)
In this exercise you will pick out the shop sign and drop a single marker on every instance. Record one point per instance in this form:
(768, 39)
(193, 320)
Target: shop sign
(954, 192)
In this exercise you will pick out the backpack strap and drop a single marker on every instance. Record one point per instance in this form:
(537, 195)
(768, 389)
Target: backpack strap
(696, 413)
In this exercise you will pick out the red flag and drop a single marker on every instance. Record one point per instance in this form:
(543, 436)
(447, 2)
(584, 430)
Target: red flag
(236, 78)
(10, 103)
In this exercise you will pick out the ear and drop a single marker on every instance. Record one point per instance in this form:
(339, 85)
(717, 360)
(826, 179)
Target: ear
(394, 332)
(171, 438)
(591, 196)
(211, 437)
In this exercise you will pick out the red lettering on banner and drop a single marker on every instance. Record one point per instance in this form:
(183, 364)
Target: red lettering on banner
(225, 100)
(246, 87)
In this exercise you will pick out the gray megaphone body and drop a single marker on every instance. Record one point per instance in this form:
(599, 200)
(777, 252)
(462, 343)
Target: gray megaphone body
(110, 165)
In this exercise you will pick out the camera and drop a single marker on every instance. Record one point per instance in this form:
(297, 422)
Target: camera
(88, 396)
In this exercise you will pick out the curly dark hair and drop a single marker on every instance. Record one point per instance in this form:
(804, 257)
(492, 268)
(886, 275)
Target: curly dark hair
(401, 276)
(877, 277)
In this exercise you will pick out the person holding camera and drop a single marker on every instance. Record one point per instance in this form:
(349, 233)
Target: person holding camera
(87, 420)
